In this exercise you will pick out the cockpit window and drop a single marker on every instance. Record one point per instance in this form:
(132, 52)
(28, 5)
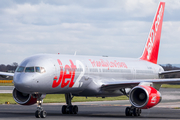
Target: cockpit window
(43, 70)
(40, 69)
(29, 69)
(20, 69)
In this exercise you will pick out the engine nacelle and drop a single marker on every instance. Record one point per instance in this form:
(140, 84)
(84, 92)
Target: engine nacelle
(23, 98)
(144, 97)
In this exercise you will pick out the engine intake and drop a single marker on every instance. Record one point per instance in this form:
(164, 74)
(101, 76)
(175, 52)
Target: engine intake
(23, 98)
(144, 97)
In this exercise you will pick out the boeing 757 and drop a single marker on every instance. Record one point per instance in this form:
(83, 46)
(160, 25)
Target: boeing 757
(91, 76)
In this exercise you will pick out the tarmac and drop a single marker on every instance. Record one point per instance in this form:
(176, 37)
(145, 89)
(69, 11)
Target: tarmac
(169, 108)
(6, 89)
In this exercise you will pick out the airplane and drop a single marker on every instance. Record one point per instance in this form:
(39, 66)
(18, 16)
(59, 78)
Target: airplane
(94, 76)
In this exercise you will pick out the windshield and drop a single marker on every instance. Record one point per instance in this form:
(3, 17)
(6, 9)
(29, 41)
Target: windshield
(20, 69)
(40, 69)
(29, 69)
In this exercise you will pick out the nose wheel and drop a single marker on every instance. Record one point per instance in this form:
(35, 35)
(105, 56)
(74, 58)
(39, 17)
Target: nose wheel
(40, 113)
(69, 108)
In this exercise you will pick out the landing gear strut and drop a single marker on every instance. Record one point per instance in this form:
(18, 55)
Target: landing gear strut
(69, 108)
(130, 111)
(40, 113)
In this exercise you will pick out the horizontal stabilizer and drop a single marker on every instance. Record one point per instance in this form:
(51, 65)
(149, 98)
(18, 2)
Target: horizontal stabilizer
(169, 72)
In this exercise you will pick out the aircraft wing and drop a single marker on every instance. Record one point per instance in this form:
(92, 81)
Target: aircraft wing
(115, 85)
(6, 74)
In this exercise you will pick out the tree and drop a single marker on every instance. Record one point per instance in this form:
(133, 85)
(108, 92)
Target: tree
(8, 68)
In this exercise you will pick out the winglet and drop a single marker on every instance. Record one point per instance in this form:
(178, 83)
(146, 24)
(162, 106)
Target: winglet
(152, 45)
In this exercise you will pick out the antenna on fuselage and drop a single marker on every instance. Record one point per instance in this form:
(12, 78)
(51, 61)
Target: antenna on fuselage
(75, 53)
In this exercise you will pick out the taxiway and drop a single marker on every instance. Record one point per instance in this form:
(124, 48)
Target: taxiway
(169, 108)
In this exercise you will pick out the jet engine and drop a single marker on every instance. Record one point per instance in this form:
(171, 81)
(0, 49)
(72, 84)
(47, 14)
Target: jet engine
(144, 97)
(23, 98)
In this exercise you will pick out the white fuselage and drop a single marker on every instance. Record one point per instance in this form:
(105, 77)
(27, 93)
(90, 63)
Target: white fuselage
(80, 75)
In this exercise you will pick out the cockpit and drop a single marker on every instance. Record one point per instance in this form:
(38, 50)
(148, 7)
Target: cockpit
(31, 69)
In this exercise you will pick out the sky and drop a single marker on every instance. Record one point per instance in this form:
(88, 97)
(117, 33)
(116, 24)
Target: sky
(115, 28)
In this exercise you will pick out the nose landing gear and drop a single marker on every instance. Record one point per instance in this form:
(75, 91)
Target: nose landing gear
(40, 113)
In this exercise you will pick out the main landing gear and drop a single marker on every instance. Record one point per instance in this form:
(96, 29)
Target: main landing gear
(40, 113)
(69, 108)
(132, 111)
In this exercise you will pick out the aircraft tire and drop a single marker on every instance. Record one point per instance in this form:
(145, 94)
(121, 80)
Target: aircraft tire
(138, 112)
(70, 110)
(64, 107)
(37, 114)
(135, 111)
(43, 114)
(127, 111)
(75, 109)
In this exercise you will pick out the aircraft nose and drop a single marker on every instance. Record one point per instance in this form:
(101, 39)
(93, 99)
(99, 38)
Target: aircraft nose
(23, 82)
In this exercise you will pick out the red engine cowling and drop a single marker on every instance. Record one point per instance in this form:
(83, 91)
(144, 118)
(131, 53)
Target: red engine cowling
(23, 98)
(144, 97)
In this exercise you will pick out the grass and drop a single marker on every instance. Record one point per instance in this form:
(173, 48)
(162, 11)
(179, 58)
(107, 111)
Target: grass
(59, 98)
(6, 97)
(170, 86)
(6, 84)
(50, 98)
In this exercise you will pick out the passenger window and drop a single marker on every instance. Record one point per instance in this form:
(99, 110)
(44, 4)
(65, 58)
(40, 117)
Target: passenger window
(29, 69)
(20, 69)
